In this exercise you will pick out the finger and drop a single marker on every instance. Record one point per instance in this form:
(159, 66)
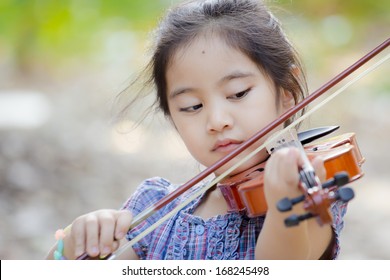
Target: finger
(115, 246)
(78, 236)
(107, 228)
(123, 223)
(318, 165)
(281, 174)
(92, 235)
(288, 162)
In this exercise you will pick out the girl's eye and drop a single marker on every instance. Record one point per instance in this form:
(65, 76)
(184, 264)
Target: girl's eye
(191, 109)
(239, 95)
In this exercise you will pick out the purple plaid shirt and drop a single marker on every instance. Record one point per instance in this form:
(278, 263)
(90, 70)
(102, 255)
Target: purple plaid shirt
(231, 236)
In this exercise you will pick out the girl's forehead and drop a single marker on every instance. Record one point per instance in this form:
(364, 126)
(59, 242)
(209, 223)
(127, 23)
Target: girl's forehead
(212, 47)
(204, 44)
(208, 62)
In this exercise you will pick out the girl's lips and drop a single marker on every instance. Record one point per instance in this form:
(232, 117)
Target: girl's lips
(226, 145)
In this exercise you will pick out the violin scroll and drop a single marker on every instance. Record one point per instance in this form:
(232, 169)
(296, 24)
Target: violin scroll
(339, 180)
(317, 201)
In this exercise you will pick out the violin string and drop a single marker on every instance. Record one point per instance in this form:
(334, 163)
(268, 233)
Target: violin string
(217, 179)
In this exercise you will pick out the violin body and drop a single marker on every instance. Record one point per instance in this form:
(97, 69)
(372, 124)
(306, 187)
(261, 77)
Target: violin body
(244, 191)
(340, 153)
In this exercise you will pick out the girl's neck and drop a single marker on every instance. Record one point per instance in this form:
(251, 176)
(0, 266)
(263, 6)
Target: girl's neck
(213, 204)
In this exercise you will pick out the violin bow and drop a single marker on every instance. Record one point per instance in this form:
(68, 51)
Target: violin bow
(284, 117)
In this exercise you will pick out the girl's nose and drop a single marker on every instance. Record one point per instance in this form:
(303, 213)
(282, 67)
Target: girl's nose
(219, 120)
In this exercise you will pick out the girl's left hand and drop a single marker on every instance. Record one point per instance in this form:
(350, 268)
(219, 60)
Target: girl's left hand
(281, 178)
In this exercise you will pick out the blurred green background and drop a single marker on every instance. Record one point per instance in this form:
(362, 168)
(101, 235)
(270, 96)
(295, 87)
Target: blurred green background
(63, 62)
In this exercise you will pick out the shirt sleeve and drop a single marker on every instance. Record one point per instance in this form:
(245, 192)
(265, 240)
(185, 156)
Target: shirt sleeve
(147, 193)
(339, 210)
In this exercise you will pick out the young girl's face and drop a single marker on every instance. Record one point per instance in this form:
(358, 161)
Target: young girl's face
(218, 98)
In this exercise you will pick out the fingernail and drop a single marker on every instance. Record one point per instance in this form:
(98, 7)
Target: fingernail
(94, 250)
(106, 250)
(120, 235)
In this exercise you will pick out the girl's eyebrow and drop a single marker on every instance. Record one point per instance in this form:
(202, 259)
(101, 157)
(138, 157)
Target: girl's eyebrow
(235, 75)
(231, 76)
(180, 91)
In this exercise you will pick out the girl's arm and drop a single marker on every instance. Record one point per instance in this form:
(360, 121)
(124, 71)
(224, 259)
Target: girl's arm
(308, 240)
(98, 233)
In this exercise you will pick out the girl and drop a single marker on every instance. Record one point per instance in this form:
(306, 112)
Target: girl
(222, 69)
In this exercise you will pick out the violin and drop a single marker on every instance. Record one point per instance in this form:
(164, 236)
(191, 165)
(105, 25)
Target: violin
(317, 198)
(342, 158)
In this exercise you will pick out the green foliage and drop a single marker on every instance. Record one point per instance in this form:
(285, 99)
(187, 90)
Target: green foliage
(32, 30)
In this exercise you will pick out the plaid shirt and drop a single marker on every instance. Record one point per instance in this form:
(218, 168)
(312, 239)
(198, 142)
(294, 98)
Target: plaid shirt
(185, 236)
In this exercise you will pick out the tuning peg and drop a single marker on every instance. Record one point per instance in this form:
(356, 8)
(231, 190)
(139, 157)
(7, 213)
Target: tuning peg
(345, 194)
(339, 179)
(294, 220)
(286, 204)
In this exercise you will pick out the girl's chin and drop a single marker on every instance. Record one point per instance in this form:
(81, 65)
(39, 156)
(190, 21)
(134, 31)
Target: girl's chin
(257, 159)
(238, 170)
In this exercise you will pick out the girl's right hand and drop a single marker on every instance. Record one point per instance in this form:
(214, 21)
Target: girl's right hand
(98, 233)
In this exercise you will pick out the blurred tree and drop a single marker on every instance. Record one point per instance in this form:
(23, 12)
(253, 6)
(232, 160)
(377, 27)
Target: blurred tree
(42, 30)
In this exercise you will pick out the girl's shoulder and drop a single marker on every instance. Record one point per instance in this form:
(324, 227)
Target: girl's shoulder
(151, 190)
(155, 185)
(148, 192)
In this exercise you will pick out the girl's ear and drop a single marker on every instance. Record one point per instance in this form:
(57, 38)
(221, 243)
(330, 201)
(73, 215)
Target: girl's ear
(287, 100)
